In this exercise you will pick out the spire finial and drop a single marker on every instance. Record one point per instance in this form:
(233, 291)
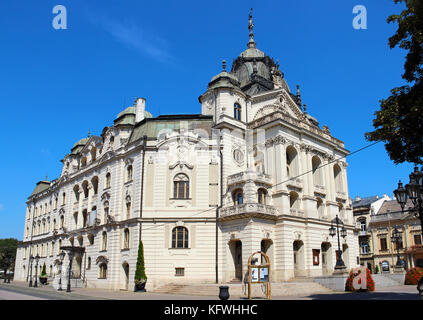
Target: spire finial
(224, 65)
(89, 133)
(305, 108)
(251, 43)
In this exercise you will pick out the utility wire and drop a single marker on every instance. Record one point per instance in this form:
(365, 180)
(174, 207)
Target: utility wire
(350, 154)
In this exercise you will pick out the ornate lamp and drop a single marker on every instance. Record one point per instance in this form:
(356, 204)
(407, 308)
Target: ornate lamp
(401, 195)
(413, 189)
(343, 231)
(61, 257)
(332, 231)
(395, 238)
(31, 259)
(37, 258)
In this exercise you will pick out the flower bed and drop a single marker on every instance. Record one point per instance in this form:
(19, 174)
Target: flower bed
(354, 273)
(413, 275)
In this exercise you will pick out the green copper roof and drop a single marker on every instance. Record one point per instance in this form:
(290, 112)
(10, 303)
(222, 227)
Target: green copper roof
(41, 186)
(152, 127)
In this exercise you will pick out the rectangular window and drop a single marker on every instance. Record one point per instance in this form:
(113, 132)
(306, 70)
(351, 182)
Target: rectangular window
(179, 272)
(383, 244)
(417, 239)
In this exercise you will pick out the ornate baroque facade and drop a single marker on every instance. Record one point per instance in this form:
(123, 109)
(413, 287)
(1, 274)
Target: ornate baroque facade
(254, 171)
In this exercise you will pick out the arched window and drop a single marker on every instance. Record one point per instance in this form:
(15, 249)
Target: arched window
(262, 195)
(83, 161)
(89, 263)
(129, 173)
(337, 175)
(180, 237)
(75, 219)
(104, 243)
(293, 200)
(291, 161)
(106, 211)
(62, 221)
(128, 207)
(238, 197)
(94, 182)
(90, 239)
(103, 271)
(108, 180)
(93, 154)
(317, 171)
(59, 246)
(63, 198)
(85, 188)
(181, 187)
(237, 111)
(76, 192)
(363, 226)
(126, 238)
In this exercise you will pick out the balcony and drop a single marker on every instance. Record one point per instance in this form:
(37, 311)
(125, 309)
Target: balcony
(341, 195)
(248, 210)
(242, 177)
(320, 189)
(295, 183)
(296, 212)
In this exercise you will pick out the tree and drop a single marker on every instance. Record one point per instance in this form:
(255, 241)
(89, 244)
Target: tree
(140, 275)
(8, 249)
(399, 122)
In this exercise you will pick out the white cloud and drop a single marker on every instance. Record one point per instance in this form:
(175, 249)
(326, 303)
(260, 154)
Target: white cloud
(129, 33)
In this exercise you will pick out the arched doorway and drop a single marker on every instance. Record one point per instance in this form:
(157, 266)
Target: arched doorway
(125, 272)
(236, 251)
(326, 258)
(299, 266)
(266, 247)
(346, 255)
(76, 266)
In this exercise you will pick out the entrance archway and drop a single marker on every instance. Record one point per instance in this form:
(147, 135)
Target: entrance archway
(266, 246)
(236, 251)
(299, 266)
(125, 273)
(326, 258)
(77, 266)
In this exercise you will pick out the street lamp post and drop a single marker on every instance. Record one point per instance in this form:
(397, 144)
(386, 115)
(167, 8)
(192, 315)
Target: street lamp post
(340, 265)
(37, 258)
(70, 256)
(31, 259)
(395, 238)
(414, 191)
(61, 257)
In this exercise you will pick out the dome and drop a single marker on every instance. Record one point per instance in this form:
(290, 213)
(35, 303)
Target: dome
(81, 142)
(129, 110)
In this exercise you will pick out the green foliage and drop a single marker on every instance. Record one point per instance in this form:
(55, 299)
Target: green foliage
(140, 275)
(43, 272)
(399, 122)
(377, 269)
(8, 249)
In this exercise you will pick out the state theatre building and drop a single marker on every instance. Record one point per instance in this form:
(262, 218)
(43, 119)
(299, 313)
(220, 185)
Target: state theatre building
(253, 171)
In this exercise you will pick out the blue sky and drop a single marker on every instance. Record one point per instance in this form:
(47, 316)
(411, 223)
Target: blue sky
(55, 85)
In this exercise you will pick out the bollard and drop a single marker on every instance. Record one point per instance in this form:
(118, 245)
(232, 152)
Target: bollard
(224, 292)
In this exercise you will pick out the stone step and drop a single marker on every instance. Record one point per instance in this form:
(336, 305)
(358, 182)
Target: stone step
(384, 281)
(278, 288)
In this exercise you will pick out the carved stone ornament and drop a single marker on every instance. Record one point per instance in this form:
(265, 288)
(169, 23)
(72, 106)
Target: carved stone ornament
(238, 155)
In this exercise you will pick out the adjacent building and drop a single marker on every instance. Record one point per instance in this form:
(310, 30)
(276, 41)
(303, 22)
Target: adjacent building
(254, 171)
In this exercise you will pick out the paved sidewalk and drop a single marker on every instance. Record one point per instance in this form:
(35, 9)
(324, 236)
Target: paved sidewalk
(20, 291)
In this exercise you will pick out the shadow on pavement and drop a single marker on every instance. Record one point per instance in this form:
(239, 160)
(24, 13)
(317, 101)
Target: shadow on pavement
(367, 296)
